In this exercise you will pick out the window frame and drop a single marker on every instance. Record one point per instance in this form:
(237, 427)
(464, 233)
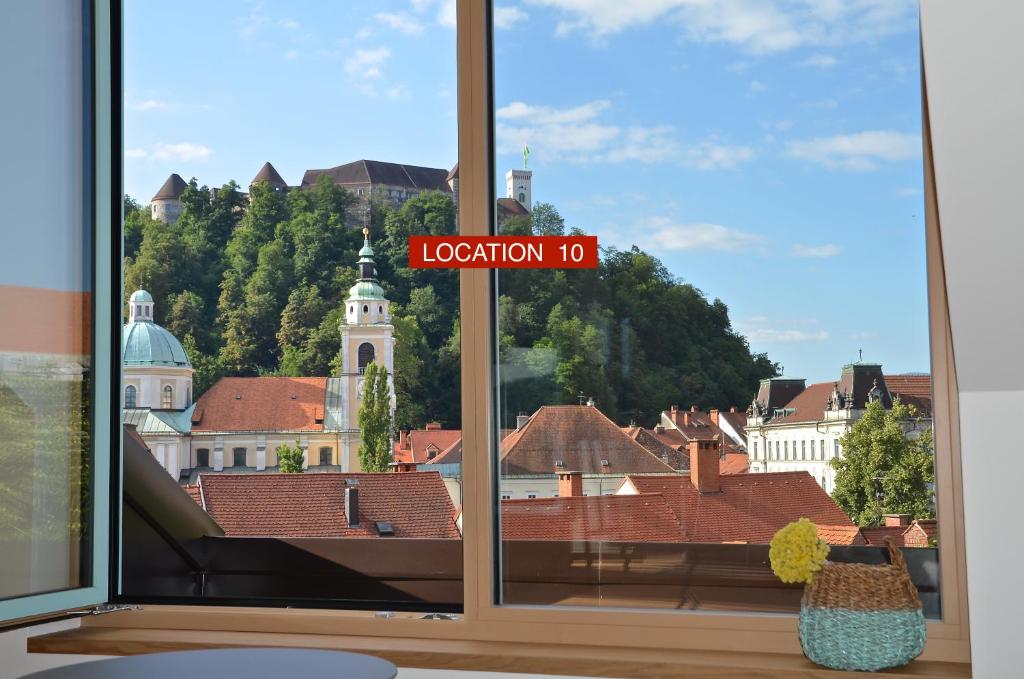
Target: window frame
(482, 618)
(102, 198)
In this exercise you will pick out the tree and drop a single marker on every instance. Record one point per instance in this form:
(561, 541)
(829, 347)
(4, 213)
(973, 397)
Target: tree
(375, 420)
(411, 354)
(207, 369)
(882, 470)
(289, 459)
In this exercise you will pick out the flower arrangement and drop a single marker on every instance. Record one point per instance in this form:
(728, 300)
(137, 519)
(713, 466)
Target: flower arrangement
(853, 616)
(796, 552)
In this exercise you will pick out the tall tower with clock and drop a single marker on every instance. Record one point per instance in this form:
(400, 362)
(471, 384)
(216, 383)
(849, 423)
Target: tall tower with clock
(367, 336)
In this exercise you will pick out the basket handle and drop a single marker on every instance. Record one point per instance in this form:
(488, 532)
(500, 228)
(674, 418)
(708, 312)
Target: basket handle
(896, 555)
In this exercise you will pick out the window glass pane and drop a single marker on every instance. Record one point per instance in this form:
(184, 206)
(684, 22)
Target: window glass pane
(307, 449)
(754, 176)
(46, 330)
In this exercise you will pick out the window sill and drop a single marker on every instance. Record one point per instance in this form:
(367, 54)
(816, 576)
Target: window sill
(454, 654)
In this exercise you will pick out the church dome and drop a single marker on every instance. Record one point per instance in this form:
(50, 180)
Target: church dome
(143, 342)
(366, 290)
(146, 343)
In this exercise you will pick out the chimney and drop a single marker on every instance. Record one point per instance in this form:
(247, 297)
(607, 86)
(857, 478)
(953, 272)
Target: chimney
(521, 420)
(732, 409)
(674, 409)
(686, 419)
(403, 440)
(897, 520)
(352, 502)
(704, 461)
(570, 484)
(590, 401)
(659, 429)
(433, 426)
(405, 467)
(693, 409)
(714, 416)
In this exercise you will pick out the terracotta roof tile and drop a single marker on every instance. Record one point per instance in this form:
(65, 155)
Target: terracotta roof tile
(623, 518)
(675, 457)
(422, 443)
(809, 405)
(876, 535)
(416, 504)
(581, 437)
(734, 463)
(262, 404)
(841, 535)
(750, 507)
(194, 492)
(915, 390)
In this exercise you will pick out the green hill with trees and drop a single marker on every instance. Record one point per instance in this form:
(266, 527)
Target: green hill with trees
(256, 287)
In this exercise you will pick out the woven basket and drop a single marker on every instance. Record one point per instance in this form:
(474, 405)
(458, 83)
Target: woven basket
(859, 617)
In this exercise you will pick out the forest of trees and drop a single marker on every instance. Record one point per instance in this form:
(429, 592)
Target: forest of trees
(255, 286)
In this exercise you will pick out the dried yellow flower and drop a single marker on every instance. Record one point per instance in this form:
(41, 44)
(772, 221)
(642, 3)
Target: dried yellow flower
(796, 552)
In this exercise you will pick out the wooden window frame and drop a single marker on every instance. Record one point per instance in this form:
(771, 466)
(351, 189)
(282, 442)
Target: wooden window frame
(584, 632)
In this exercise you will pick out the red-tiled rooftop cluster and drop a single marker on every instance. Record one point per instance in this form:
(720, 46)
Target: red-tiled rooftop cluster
(279, 404)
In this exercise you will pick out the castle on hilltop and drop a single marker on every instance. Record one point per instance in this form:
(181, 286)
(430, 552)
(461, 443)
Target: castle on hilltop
(367, 180)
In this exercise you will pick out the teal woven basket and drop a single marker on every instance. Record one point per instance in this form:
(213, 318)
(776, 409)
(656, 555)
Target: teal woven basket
(861, 617)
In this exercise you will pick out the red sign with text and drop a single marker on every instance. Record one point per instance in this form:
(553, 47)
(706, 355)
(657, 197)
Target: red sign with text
(502, 252)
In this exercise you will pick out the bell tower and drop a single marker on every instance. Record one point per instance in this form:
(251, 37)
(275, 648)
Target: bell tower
(518, 186)
(367, 336)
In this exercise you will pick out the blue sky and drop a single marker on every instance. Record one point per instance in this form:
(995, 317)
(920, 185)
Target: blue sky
(768, 151)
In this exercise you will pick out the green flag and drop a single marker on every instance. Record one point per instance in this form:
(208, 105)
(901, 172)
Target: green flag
(526, 155)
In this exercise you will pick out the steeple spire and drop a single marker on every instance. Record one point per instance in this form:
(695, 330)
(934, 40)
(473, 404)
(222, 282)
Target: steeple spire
(367, 266)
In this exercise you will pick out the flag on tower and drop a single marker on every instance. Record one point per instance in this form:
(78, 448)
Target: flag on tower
(526, 155)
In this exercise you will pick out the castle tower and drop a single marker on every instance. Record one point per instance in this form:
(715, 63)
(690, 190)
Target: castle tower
(268, 174)
(518, 187)
(166, 204)
(367, 336)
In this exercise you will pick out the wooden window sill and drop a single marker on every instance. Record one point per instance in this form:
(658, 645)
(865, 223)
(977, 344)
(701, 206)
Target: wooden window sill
(455, 654)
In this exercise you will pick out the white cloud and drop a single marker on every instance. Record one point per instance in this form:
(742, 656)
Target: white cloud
(579, 134)
(400, 21)
(291, 55)
(507, 17)
(709, 155)
(777, 336)
(756, 26)
(822, 61)
(150, 105)
(757, 86)
(446, 13)
(821, 251)
(182, 152)
(662, 234)
(367, 63)
(860, 151)
(257, 22)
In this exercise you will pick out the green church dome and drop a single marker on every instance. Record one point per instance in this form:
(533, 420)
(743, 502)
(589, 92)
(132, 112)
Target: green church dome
(366, 290)
(144, 343)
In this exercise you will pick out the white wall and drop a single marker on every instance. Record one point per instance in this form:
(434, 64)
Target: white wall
(973, 55)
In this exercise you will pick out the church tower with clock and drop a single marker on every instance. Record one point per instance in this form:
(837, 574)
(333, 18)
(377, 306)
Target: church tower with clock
(367, 336)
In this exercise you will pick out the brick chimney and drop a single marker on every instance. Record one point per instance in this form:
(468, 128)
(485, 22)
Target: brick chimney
(704, 465)
(686, 419)
(405, 467)
(714, 416)
(433, 426)
(897, 520)
(352, 502)
(403, 440)
(570, 484)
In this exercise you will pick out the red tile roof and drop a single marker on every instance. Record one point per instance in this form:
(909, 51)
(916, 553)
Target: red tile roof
(675, 457)
(841, 535)
(262, 404)
(423, 442)
(809, 405)
(876, 535)
(734, 463)
(623, 518)
(915, 390)
(416, 504)
(195, 493)
(750, 507)
(670, 437)
(920, 533)
(578, 436)
(738, 421)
